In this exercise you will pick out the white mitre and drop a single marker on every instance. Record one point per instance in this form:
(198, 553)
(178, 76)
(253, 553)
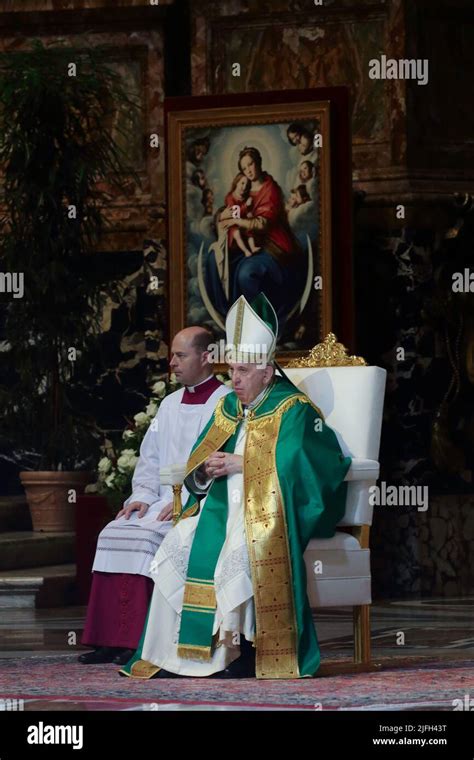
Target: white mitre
(251, 331)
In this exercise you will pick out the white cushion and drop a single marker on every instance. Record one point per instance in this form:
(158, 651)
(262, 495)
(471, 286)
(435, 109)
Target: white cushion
(358, 509)
(363, 469)
(361, 475)
(342, 573)
(341, 541)
(340, 592)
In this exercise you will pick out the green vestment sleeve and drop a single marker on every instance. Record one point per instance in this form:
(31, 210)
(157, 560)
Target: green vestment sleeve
(311, 469)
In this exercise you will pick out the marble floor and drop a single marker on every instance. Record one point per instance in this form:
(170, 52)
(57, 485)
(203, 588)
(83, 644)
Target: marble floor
(432, 628)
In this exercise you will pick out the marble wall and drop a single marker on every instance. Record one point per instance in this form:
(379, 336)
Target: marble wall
(23, 6)
(425, 553)
(411, 145)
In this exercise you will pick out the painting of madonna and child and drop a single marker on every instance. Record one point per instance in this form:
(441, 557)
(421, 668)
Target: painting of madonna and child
(254, 205)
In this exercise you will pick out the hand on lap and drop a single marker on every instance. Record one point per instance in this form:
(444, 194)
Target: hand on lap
(135, 506)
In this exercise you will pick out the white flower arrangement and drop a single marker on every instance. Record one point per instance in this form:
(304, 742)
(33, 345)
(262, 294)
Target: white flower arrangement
(104, 465)
(159, 389)
(115, 469)
(151, 409)
(127, 461)
(141, 419)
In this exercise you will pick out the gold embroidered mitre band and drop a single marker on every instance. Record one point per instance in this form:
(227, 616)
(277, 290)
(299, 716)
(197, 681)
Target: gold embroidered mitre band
(251, 331)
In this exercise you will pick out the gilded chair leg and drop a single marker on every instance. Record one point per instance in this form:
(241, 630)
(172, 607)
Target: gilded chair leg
(362, 634)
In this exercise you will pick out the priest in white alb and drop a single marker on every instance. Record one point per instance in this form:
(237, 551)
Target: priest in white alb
(122, 585)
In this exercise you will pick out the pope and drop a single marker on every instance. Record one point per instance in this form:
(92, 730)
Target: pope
(265, 476)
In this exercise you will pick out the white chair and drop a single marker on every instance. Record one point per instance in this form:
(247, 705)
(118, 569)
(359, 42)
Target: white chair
(351, 396)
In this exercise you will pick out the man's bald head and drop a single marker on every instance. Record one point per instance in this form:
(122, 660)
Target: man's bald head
(189, 354)
(201, 336)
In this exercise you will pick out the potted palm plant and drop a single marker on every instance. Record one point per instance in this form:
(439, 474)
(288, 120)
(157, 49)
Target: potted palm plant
(58, 157)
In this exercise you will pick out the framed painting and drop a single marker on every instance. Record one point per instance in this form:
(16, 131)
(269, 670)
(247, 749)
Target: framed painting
(255, 187)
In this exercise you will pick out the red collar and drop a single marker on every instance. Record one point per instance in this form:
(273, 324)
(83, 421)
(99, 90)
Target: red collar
(201, 392)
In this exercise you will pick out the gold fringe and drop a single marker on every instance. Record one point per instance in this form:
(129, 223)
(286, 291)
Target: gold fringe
(142, 669)
(223, 422)
(194, 652)
(260, 422)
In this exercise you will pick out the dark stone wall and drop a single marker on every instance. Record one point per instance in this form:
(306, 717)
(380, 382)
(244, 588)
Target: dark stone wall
(412, 145)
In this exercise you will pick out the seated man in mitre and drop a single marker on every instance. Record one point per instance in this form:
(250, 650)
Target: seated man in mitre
(230, 580)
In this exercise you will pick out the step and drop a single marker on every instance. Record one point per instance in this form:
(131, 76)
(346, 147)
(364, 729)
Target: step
(20, 549)
(49, 586)
(14, 513)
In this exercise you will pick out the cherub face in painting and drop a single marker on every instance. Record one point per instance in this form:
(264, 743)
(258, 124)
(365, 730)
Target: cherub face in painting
(302, 138)
(200, 150)
(240, 190)
(305, 143)
(306, 171)
(199, 179)
(293, 200)
(293, 137)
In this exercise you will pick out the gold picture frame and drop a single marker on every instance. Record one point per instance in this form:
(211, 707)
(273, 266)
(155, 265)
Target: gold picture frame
(224, 127)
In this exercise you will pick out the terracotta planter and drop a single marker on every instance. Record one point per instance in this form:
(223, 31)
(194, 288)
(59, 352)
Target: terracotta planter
(47, 496)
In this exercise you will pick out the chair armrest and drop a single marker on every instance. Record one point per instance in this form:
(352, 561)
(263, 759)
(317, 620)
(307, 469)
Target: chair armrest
(363, 469)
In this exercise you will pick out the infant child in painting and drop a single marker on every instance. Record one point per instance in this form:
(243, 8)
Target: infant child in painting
(239, 200)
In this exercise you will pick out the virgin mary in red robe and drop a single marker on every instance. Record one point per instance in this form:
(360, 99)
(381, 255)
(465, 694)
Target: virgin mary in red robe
(276, 268)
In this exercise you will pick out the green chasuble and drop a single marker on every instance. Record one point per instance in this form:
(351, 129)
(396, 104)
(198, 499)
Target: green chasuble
(294, 490)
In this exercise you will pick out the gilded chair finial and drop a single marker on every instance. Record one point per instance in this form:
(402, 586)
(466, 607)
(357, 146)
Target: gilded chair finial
(329, 353)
